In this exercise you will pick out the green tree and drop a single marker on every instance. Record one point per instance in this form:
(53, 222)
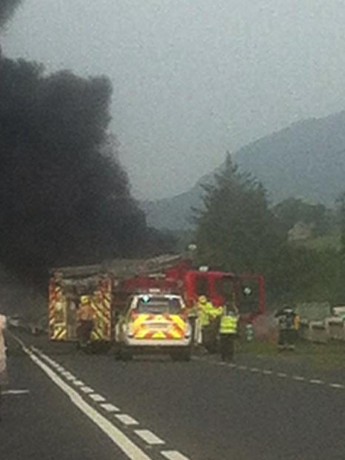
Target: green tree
(235, 229)
(294, 210)
(341, 211)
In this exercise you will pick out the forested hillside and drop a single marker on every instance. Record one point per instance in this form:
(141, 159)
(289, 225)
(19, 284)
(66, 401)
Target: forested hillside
(305, 160)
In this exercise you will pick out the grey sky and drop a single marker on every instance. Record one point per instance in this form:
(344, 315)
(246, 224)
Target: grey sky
(192, 78)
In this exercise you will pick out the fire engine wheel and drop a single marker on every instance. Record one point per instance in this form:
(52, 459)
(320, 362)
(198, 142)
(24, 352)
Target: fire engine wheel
(181, 355)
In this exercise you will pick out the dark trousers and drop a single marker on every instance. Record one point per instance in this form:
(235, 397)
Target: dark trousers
(209, 337)
(85, 330)
(227, 346)
(287, 338)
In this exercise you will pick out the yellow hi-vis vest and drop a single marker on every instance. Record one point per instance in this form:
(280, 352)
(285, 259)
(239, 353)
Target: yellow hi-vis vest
(207, 313)
(228, 324)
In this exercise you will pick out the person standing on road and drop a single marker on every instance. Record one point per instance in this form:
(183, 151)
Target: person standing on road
(86, 318)
(208, 317)
(3, 367)
(288, 326)
(228, 332)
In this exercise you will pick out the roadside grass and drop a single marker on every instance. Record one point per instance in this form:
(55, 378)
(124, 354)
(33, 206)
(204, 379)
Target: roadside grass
(320, 356)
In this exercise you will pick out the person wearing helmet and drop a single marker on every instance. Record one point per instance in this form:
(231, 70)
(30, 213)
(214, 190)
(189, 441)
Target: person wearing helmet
(86, 317)
(287, 326)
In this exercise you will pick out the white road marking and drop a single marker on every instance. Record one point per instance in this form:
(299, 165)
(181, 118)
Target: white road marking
(132, 451)
(254, 369)
(232, 365)
(68, 375)
(126, 419)
(282, 374)
(317, 382)
(149, 437)
(173, 455)
(15, 392)
(298, 378)
(87, 390)
(242, 368)
(267, 372)
(336, 385)
(110, 408)
(97, 398)
(78, 383)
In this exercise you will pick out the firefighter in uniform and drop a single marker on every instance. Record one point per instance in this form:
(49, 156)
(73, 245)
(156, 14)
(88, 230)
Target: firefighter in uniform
(228, 331)
(86, 318)
(288, 323)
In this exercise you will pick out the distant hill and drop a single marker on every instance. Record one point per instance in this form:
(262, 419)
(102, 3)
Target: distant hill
(305, 160)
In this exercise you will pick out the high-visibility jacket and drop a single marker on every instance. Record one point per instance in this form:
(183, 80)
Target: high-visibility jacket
(207, 313)
(228, 324)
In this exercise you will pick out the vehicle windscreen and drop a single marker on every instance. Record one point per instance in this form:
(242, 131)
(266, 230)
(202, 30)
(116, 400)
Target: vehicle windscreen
(159, 305)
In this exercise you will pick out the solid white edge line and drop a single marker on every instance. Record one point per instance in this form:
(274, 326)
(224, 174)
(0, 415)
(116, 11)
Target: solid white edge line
(149, 437)
(173, 455)
(120, 439)
(126, 419)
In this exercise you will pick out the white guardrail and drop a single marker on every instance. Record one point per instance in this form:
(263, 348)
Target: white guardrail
(331, 328)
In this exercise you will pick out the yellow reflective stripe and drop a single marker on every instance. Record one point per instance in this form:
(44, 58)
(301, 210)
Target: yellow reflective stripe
(59, 333)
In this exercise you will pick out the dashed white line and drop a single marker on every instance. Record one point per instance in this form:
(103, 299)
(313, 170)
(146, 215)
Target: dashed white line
(242, 368)
(87, 390)
(110, 407)
(97, 398)
(282, 375)
(336, 385)
(254, 369)
(267, 372)
(173, 455)
(132, 451)
(126, 419)
(149, 437)
(317, 381)
(298, 378)
(78, 383)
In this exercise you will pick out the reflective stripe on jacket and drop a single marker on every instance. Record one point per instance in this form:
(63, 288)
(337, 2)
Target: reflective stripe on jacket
(228, 324)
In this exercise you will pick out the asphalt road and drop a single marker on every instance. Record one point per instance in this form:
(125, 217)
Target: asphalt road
(202, 410)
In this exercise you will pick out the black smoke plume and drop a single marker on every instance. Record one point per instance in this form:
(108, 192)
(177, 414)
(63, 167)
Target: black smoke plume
(7, 8)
